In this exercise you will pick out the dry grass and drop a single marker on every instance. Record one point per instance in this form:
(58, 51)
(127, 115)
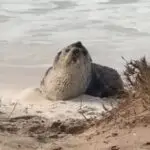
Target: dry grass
(137, 75)
(134, 108)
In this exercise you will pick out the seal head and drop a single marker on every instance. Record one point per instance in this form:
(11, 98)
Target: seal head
(70, 74)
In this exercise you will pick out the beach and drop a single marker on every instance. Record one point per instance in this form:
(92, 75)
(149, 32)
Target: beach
(32, 32)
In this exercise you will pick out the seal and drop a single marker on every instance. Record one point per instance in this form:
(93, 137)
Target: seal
(69, 75)
(73, 73)
(105, 82)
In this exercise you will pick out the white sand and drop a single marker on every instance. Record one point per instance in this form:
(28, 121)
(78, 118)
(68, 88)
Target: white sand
(30, 102)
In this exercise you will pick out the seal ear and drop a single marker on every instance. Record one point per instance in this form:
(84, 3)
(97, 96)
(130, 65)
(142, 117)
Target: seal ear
(57, 57)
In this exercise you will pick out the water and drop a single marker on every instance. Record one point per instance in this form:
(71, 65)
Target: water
(32, 32)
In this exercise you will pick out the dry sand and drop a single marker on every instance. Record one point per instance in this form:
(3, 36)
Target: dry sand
(35, 136)
(30, 102)
(30, 122)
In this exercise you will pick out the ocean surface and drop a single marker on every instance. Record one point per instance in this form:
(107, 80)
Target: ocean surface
(32, 32)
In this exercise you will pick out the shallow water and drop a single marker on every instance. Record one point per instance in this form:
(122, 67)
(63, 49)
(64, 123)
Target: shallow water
(32, 32)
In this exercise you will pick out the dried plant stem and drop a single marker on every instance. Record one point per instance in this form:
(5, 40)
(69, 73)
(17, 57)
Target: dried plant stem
(13, 110)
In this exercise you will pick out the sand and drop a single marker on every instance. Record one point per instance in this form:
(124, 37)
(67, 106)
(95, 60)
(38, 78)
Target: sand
(30, 102)
(25, 113)
(31, 122)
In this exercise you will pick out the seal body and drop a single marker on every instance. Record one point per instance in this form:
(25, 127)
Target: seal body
(105, 82)
(73, 74)
(70, 74)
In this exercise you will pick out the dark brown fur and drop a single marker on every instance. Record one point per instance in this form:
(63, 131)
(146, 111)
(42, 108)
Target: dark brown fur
(105, 82)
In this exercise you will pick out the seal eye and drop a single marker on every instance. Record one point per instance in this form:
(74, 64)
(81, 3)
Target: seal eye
(84, 53)
(67, 50)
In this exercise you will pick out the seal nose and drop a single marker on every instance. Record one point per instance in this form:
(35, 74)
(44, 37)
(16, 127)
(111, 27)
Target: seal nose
(78, 44)
(75, 51)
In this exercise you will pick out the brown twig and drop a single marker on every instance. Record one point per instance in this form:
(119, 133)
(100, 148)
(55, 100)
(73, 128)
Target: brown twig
(13, 110)
(81, 111)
